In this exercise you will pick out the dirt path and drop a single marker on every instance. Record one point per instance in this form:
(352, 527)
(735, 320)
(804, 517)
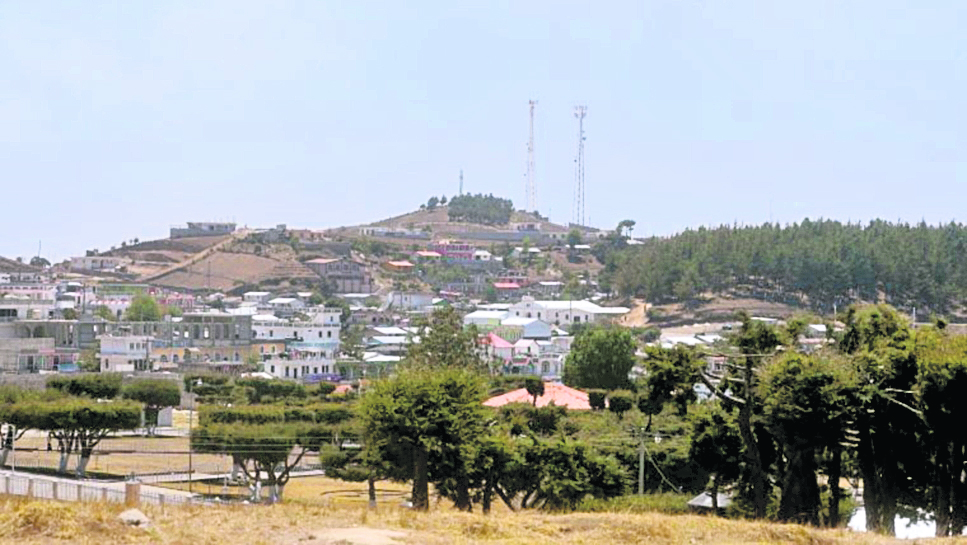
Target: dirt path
(349, 536)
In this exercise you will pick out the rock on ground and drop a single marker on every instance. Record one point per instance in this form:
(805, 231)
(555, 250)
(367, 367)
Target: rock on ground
(134, 517)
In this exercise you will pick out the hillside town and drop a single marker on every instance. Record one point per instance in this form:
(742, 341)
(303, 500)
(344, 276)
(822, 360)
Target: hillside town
(332, 307)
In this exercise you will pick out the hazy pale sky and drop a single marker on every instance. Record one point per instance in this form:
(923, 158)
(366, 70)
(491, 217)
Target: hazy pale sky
(119, 120)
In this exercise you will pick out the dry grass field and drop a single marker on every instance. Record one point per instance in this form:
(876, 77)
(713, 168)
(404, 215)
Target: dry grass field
(124, 455)
(32, 522)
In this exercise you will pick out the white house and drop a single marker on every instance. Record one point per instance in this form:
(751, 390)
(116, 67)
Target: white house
(485, 320)
(515, 328)
(272, 328)
(124, 353)
(99, 263)
(409, 300)
(565, 312)
(256, 297)
(286, 306)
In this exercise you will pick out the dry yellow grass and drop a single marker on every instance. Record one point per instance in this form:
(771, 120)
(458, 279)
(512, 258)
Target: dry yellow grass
(314, 491)
(153, 455)
(49, 522)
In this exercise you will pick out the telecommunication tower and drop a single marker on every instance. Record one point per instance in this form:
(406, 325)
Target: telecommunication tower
(579, 113)
(461, 182)
(531, 189)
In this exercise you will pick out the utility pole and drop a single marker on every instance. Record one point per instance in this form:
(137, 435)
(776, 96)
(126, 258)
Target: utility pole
(531, 190)
(641, 462)
(461, 182)
(579, 113)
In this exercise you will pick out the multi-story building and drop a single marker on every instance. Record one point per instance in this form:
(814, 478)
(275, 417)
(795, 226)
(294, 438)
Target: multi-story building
(324, 326)
(454, 250)
(344, 275)
(203, 229)
(123, 353)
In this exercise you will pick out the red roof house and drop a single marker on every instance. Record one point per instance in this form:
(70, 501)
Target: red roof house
(559, 394)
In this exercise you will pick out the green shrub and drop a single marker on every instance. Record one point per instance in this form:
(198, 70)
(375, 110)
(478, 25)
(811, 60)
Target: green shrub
(668, 503)
(596, 398)
(620, 402)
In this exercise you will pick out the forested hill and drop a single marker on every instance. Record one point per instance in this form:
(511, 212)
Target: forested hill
(815, 263)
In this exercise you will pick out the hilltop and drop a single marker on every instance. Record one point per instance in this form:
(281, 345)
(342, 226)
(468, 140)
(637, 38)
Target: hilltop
(249, 258)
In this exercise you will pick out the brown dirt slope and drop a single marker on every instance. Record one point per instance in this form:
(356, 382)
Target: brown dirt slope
(220, 271)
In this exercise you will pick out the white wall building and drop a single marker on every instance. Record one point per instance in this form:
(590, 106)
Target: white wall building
(515, 328)
(565, 312)
(256, 296)
(286, 306)
(124, 353)
(485, 320)
(99, 263)
(272, 328)
(409, 300)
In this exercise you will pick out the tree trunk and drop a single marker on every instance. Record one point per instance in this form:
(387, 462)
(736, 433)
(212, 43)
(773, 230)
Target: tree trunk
(752, 454)
(372, 492)
(3, 456)
(871, 481)
(800, 492)
(488, 491)
(715, 494)
(236, 468)
(835, 472)
(64, 458)
(462, 501)
(82, 463)
(503, 496)
(421, 488)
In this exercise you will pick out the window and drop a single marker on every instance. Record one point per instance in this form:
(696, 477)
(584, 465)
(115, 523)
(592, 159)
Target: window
(320, 334)
(206, 332)
(271, 333)
(545, 368)
(273, 369)
(286, 372)
(329, 334)
(131, 346)
(315, 370)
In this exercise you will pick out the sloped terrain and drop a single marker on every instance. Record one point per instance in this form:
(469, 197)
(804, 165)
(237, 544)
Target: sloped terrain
(220, 271)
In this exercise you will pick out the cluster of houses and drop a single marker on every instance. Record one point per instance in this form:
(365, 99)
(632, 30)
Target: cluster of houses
(46, 325)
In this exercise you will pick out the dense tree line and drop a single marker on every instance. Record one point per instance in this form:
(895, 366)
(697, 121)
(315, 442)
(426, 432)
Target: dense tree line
(815, 263)
(485, 209)
(884, 406)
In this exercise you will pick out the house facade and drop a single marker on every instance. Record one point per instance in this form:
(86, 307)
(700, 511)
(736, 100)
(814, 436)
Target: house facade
(344, 275)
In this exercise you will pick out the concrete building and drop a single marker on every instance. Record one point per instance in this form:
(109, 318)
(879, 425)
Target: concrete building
(565, 312)
(203, 229)
(97, 263)
(454, 250)
(256, 297)
(344, 275)
(124, 353)
(325, 327)
(515, 328)
(403, 300)
(485, 320)
(286, 306)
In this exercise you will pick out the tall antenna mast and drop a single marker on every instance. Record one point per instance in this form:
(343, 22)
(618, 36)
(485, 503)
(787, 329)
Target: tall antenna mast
(531, 186)
(461, 182)
(579, 113)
